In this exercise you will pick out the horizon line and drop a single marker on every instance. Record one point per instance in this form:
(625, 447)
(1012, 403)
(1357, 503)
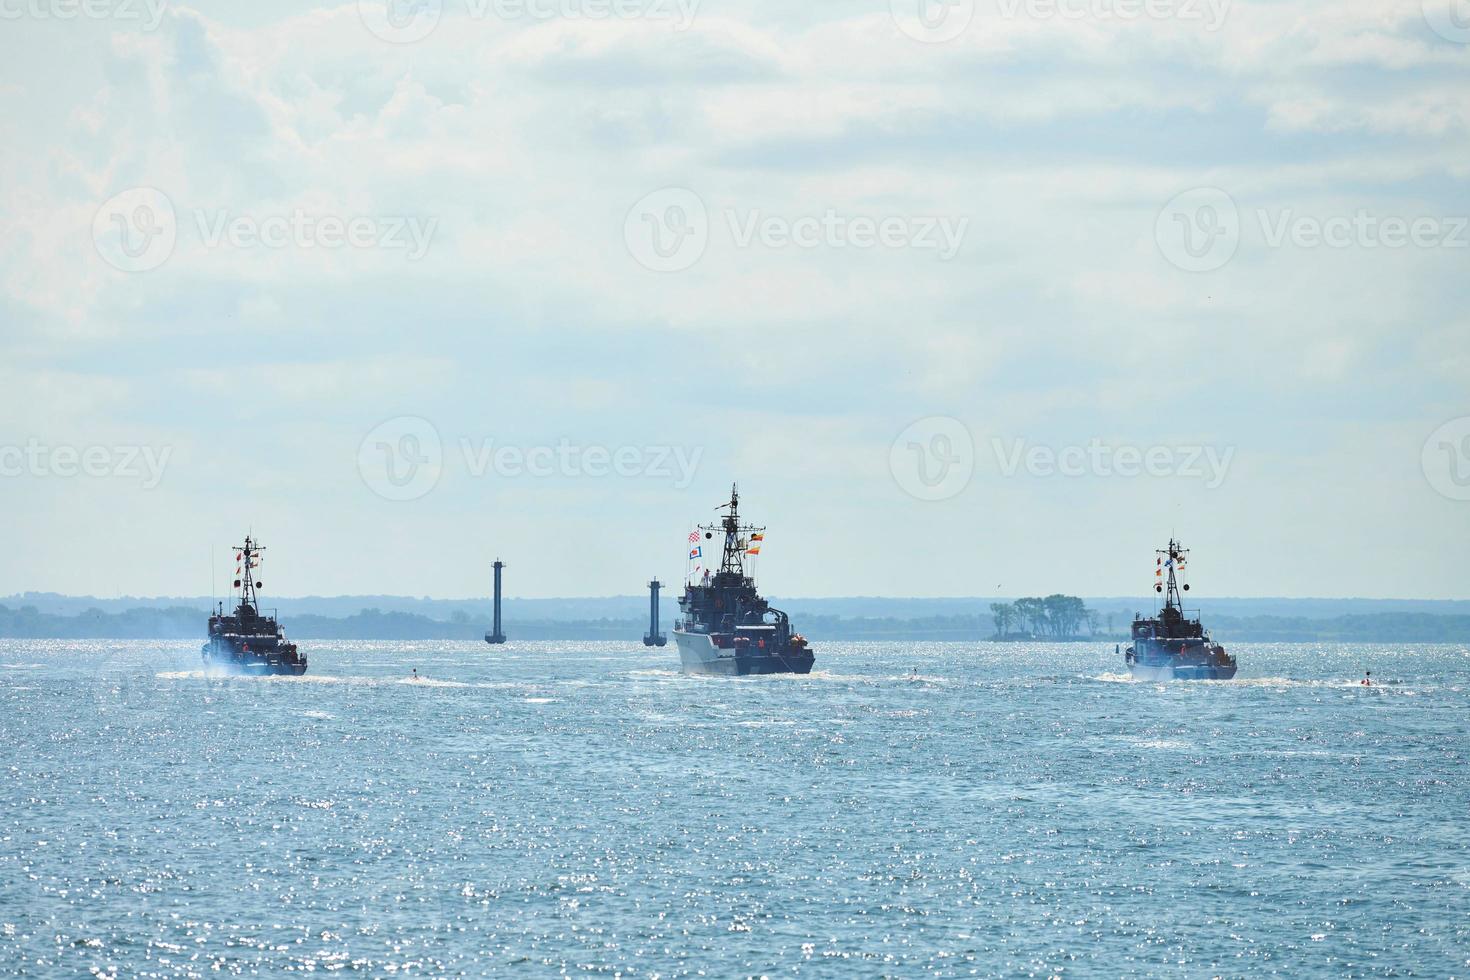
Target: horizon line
(642, 596)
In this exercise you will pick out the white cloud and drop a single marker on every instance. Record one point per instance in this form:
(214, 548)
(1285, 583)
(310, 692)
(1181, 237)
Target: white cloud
(1059, 140)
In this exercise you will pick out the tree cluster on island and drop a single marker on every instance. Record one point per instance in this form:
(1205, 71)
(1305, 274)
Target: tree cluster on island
(1056, 617)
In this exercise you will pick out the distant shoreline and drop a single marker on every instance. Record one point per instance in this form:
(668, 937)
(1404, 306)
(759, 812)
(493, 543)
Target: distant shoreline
(188, 622)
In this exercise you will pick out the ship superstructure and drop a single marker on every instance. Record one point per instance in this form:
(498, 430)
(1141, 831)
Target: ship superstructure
(248, 641)
(1174, 645)
(725, 627)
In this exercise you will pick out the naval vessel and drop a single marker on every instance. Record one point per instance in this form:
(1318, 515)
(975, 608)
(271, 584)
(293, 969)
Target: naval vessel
(1174, 645)
(725, 627)
(248, 641)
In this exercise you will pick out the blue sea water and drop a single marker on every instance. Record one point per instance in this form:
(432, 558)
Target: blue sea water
(910, 809)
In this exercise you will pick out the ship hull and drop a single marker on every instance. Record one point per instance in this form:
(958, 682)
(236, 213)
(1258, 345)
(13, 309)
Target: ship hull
(1179, 660)
(699, 655)
(1182, 672)
(225, 656)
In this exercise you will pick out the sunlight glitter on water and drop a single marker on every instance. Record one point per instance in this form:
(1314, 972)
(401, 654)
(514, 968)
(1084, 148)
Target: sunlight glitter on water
(919, 808)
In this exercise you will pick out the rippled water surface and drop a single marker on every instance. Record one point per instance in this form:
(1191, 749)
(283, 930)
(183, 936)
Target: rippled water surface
(939, 809)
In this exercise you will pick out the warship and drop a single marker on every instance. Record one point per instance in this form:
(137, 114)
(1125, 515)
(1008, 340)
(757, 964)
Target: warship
(725, 626)
(246, 641)
(1173, 645)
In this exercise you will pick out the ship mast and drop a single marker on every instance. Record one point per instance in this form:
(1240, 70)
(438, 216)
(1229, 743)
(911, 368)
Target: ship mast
(248, 554)
(1175, 556)
(733, 560)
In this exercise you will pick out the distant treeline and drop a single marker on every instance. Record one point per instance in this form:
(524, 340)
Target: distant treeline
(1056, 617)
(1377, 628)
(181, 622)
(633, 608)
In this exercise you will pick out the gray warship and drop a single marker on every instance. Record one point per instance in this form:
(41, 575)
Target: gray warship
(1172, 645)
(246, 641)
(725, 627)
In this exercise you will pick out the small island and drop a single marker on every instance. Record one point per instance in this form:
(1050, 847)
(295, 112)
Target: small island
(1056, 618)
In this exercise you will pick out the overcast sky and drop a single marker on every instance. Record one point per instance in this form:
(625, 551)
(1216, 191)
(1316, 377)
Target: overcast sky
(971, 300)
